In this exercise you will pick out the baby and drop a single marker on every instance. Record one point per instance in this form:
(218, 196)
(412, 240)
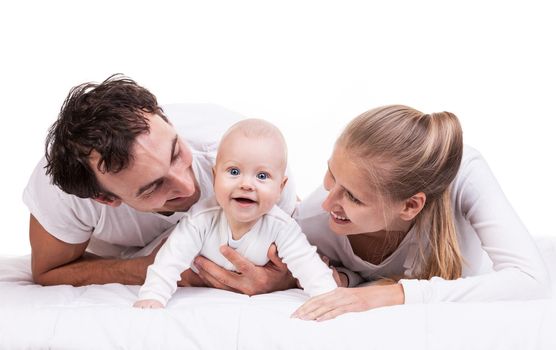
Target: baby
(249, 176)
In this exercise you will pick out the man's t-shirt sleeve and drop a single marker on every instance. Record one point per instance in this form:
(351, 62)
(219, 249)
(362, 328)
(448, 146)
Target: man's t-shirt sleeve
(64, 216)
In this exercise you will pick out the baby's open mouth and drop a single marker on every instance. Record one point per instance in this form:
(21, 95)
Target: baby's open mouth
(242, 200)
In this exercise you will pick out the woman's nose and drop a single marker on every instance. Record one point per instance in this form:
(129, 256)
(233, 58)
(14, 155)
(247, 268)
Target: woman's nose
(330, 200)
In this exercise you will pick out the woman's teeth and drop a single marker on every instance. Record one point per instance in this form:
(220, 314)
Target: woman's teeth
(338, 217)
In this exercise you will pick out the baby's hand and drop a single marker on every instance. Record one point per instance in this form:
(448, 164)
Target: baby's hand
(148, 304)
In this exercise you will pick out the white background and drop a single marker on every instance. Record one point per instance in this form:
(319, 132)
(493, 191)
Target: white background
(308, 66)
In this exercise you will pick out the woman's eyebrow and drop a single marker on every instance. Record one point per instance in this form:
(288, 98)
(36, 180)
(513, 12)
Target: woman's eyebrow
(344, 187)
(330, 171)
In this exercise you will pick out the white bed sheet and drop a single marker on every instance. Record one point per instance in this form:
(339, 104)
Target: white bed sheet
(101, 317)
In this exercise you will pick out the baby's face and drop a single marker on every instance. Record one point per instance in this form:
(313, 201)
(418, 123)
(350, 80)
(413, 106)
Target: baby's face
(248, 176)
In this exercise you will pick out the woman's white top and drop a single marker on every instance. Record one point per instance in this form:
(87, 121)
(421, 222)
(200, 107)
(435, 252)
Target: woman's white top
(501, 260)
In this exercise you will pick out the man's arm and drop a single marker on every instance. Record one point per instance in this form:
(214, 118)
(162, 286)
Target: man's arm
(55, 262)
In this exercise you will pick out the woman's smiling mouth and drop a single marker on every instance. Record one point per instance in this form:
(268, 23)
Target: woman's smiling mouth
(339, 219)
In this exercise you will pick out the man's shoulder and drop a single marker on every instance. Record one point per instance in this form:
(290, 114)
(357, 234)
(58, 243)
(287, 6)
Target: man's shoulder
(201, 124)
(204, 208)
(41, 190)
(279, 217)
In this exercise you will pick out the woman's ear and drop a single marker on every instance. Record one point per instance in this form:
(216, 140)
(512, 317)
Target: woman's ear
(413, 206)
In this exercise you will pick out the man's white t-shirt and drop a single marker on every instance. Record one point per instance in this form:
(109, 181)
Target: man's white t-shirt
(204, 229)
(500, 258)
(123, 231)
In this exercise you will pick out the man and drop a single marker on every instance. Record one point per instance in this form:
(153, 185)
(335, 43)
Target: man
(116, 177)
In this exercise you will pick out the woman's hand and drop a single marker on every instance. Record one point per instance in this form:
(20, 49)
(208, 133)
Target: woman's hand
(341, 300)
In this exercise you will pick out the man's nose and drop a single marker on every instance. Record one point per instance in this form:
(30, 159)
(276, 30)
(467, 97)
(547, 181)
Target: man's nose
(184, 183)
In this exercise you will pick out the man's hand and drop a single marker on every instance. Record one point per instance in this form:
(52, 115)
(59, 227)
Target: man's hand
(340, 277)
(250, 279)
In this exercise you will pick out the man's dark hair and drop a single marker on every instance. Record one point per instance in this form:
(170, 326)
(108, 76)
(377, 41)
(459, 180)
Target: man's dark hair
(105, 117)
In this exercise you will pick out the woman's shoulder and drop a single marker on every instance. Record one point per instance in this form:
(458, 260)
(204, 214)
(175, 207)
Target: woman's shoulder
(313, 220)
(470, 154)
(311, 206)
(472, 165)
(474, 181)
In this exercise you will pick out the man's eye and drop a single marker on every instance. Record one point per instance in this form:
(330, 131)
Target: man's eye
(149, 194)
(175, 157)
(234, 171)
(262, 176)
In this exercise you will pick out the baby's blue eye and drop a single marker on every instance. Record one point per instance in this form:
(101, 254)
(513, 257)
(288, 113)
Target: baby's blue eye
(262, 176)
(234, 171)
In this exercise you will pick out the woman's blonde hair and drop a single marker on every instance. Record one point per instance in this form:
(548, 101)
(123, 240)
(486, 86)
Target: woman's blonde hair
(405, 152)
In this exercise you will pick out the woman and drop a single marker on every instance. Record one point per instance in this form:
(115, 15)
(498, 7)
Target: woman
(404, 200)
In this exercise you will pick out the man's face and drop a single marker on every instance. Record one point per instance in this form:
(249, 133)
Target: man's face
(159, 177)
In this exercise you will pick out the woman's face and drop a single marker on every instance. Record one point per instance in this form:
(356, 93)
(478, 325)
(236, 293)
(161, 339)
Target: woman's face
(354, 206)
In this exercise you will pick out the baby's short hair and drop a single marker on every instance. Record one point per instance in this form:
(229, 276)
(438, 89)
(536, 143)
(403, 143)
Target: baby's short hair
(259, 128)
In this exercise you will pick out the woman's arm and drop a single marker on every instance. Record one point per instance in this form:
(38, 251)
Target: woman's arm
(519, 272)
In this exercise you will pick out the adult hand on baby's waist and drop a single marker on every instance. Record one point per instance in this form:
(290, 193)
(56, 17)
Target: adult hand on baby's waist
(250, 278)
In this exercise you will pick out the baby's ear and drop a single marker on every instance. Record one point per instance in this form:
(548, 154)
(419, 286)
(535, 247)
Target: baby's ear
(284, 180)
(213, 176)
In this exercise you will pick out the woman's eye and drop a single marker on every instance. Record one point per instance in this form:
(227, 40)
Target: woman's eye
(234, 171)
(352, 198)
(262, 176)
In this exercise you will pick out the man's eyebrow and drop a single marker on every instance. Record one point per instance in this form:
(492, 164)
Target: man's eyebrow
(158, 181)
(174, 143)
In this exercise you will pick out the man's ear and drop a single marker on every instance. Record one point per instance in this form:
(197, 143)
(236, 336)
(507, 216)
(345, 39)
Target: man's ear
(413, 206)
(108, 199)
